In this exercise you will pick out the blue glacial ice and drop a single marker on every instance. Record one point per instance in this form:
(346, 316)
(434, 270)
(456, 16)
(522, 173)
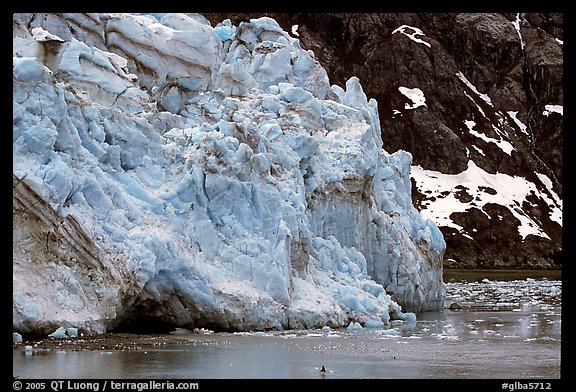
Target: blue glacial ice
(217, 180)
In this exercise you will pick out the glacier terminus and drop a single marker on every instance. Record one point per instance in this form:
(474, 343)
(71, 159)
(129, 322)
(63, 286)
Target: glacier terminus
(203, 177)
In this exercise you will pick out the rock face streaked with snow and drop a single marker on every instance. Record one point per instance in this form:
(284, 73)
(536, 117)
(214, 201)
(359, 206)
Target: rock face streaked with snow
(477, 99)
(203, 177)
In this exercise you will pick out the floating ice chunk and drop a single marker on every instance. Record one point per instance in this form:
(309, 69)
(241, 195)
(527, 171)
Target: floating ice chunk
(410, 317)
(60, 333)
(326, 329)
(28, 350)
(72, 332)
(354, 326)
(203, 331)
(390, 332)
(16, 338)
(374, 324)
(180, 331)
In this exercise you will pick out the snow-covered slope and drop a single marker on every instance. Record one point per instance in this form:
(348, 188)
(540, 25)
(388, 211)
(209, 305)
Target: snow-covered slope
(203, 177)
(446, 194)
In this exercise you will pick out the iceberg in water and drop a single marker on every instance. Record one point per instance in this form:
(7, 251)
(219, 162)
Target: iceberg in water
(204, 178)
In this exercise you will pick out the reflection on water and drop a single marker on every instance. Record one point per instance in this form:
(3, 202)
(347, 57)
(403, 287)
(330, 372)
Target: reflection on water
(505, 329)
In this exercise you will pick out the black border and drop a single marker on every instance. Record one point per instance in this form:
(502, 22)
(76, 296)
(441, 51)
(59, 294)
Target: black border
(412, 6)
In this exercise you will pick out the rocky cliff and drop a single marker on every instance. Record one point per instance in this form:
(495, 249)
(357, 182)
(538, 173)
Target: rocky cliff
(477, 100)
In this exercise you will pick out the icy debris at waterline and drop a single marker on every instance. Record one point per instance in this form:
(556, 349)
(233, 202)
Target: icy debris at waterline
(206, 178)
(60, 333)
(506, 295)
(63, 333)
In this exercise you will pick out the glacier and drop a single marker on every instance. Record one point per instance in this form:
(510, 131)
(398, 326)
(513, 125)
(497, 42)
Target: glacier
(204, 177)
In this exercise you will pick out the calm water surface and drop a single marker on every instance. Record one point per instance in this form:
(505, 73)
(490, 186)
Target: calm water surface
(506, 329)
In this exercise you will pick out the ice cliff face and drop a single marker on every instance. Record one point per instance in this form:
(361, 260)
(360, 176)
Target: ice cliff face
(203, 177)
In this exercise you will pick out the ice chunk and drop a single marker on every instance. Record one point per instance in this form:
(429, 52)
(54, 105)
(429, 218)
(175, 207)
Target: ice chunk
(410, 317)
(354, 95)
(29, 69)
(60, 333)
(225, 33)
(16, 338)
(72, 332)
(354, 326)
(40, 138)
(234, 79)
(172, 101)
(270, 130)
(180, 21)
(40, 34)
(373, 324)
(181, 331)
(295, 94)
